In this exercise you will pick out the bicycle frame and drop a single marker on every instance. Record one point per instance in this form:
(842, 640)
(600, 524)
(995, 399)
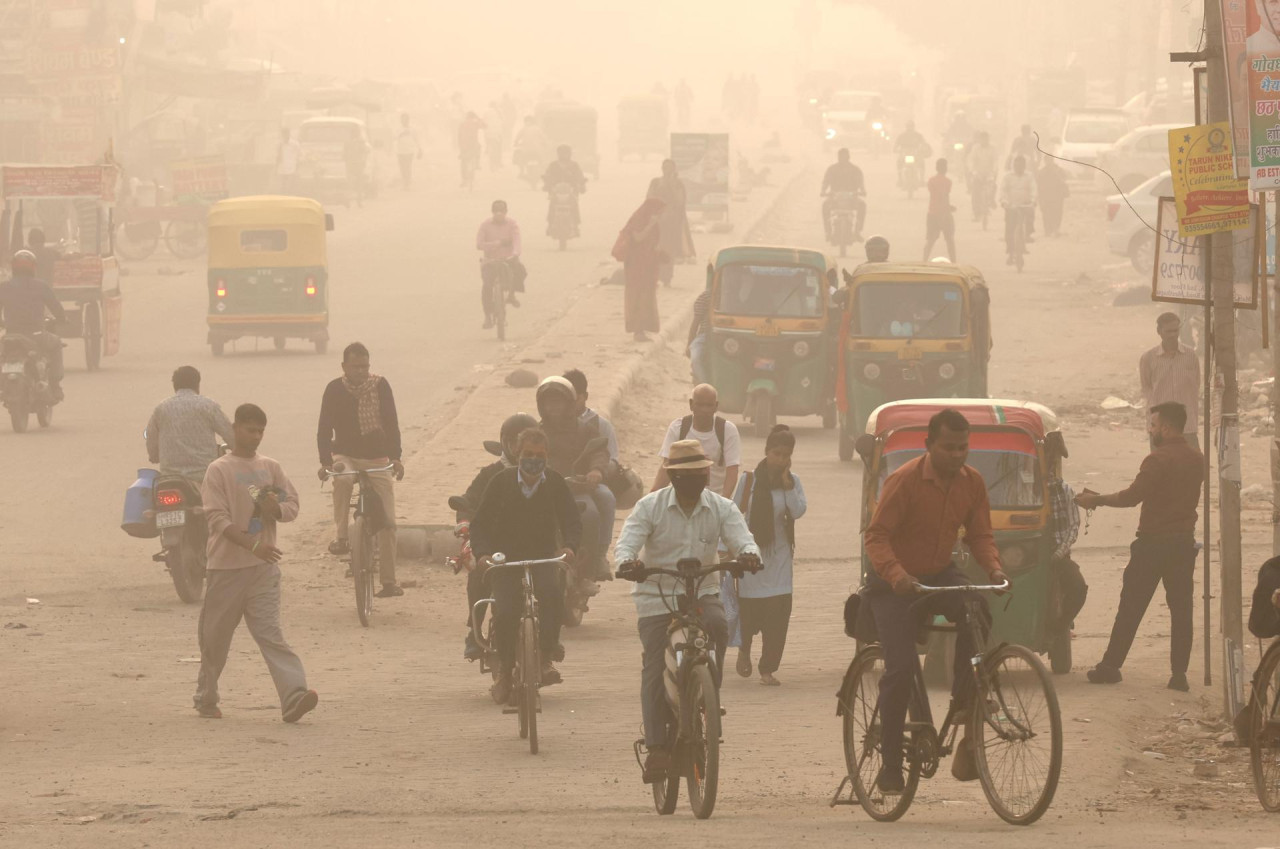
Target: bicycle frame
(530, 609)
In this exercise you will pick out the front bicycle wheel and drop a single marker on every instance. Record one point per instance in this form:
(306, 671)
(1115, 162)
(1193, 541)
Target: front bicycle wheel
(362, 568)
(666, 793)
(498, 304)
(530, 677)
(1016, 729)
(862, 749)
(1264, 748)
(701, 702)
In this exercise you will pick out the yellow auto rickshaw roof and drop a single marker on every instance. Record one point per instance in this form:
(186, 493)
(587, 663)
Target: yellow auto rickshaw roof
(266, 209)
(968, 273)
(771, 255)
(1034, 418)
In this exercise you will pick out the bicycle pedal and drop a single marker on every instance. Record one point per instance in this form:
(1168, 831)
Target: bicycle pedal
(724, 711)
(509, 709)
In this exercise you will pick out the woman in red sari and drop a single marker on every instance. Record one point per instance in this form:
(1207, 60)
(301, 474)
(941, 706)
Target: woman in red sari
(642, 262)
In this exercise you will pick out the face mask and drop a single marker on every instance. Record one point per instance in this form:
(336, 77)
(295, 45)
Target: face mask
(533, 467)
(688, 486)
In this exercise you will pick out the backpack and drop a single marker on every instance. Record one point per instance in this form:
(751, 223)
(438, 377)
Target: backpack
(686, 425)
(1264, 618)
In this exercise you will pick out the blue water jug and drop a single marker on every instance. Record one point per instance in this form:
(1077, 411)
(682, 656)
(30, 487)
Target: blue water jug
(139, 518)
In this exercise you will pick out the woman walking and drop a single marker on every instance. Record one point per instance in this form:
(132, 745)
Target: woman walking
(675, 240)
(772, 499)
(637, 249)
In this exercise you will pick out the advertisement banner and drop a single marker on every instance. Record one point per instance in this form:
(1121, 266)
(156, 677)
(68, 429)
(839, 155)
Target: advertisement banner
(702, 160)
(58, 181)
(1178, 274)
(201, 178)
(1234, 34)
(1210, 199)
(1262, 45)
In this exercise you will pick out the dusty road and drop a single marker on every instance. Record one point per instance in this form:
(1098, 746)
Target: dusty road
(101, 748)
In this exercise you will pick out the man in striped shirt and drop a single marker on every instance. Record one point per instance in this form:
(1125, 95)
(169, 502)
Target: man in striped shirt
(699, 332)
(1171, 372)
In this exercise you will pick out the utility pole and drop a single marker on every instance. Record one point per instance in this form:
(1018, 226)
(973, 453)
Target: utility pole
(1221, 286)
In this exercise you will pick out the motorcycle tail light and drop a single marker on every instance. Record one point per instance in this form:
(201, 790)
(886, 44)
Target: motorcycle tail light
(311, 286)
(169, 498)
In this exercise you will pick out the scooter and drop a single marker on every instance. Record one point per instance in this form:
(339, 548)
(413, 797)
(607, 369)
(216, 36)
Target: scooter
(184, 535)
(842, 212)
(561, 223)
(912, 173)
(24, 382)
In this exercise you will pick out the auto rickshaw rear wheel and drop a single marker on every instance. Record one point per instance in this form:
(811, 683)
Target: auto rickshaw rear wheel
(279, 343)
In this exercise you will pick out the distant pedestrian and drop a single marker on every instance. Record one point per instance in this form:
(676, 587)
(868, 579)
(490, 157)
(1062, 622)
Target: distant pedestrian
(1171, 372)
(940, 219)
(245, 495)
(674, 238)
(638, 250)
(287, 158)
(772, 499)
(1052, 188)
(1168, 488)
(408, 148)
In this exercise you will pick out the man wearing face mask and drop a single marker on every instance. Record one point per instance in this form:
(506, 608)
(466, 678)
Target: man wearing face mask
(527, 513)
(682, 520)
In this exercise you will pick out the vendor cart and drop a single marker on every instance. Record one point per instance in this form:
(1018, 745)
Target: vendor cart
(73, 206)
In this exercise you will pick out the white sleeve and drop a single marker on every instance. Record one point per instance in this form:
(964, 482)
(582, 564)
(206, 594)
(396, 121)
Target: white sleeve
(732, 445)
(673, 431)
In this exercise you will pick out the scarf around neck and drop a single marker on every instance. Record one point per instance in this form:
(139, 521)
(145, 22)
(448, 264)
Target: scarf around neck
(368, 403)
(760, 512)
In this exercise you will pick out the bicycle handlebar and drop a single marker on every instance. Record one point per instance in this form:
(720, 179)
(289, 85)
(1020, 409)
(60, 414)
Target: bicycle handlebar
(636, 570)
(498, 560)
(1001, 587)
(330, 473)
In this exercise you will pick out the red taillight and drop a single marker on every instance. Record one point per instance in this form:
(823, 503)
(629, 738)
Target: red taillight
(1112, 209)
(222, 288)
(169, 498)
(311, 286)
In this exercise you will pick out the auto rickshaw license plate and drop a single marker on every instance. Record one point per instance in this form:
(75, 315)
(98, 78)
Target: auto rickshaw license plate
(767, 330)
(910, 353)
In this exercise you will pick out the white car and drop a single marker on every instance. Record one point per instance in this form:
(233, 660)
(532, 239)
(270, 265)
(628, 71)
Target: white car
(1086, 133)
(845, 124)
(1137, 155)
(1128, 234)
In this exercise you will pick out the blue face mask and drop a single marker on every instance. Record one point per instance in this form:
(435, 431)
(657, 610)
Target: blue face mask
(533, 467)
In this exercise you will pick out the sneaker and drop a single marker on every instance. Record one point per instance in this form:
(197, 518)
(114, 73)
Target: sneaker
(1104, 675)
(389, 591)
(471, 649)
(501, 689)
(208, 712)
(602, 570)
(550, 675)
(1178, 681)
(339, 548)
(302, 704)
(890, 782)
(964, 767)
(657, 766)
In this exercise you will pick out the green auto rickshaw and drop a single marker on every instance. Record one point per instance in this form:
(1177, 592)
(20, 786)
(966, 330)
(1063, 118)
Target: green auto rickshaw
(909, 330)
(772, 341)
(268, 271)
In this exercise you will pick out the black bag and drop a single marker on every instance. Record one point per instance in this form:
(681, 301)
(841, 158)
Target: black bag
(1264, 618)
(859, 624)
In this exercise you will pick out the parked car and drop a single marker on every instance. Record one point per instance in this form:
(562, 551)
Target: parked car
(1136, 156)
(322, 169)
(1086, 133)
(1133, 235)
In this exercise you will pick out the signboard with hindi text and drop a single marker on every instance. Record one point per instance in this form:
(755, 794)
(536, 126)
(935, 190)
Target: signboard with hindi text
(1178, 275)
(1234, 32)
(1262, 48)
(1209, 197)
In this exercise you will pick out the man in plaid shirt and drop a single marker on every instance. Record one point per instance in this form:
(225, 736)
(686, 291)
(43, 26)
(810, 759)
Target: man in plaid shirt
(1065, 517)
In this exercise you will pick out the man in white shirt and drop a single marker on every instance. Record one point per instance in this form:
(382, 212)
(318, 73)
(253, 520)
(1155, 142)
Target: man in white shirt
(718, 435)
(1018, 197)
(408, 148)
(1171, 372)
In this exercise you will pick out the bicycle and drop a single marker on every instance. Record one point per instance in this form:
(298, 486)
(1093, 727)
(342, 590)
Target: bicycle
(1014, 710)
(693, 721)
(496, 296)
(526, 674)
(1264, 739)
(370, 519)
(1017, 234)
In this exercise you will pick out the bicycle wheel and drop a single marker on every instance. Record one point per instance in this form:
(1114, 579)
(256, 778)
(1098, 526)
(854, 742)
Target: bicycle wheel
(1264, 748)
(185, 239)
(530, 676)
(362, 570)
(666, 793)
(862, 754)
(1016, 729)
(498, 304)
(701, 702)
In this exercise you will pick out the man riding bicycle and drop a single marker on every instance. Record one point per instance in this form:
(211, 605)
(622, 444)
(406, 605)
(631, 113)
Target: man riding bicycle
(682, 520)
(499, 238)
(922, 507)
(527, 513)
(1018, 197)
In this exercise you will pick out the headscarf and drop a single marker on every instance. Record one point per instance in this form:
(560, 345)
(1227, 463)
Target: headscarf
(648, 210)
(368, 403)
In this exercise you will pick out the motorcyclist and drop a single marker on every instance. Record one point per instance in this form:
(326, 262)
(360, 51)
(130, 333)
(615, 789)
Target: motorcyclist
(564, 170)
(911, 143)
(183, 432)
(558, 408)
(23, 302)
(499, 238)
(844, 176)
(1018, 197)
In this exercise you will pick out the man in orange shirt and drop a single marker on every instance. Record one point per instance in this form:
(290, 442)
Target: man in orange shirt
(940, 220)
(922, 507)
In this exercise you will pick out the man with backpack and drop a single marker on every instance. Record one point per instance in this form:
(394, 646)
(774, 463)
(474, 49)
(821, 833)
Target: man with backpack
(718, 435)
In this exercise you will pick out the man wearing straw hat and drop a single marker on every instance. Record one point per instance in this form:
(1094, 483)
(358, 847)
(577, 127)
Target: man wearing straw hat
(681, 520)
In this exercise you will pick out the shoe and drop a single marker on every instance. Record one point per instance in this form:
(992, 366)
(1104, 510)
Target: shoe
(558, 655)
(471, 649)
(302, 704)
(1104, 675)
(488, 323)
(389, 591)
(501, 689)
(743, 666)
(657, 766)
(208, 712)
(889, 781)
(339, 548)
(1178, 681)
(550, 675)
(964, 767)
(767, 679)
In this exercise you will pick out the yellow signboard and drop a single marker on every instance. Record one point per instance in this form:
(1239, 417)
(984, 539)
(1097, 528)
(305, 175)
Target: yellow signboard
(1209, 197)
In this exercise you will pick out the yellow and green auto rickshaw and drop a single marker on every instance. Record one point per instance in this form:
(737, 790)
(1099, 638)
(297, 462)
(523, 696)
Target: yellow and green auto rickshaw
(909, 330)
(1018, 449)
(772, 339)
(268, 271)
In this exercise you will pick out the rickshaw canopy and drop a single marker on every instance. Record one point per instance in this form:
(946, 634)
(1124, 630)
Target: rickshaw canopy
(1034, 419)
(267, 230)
(762, 282)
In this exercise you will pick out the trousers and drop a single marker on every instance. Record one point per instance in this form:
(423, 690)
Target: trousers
(654, 641)
(769, 617)
(1168, 559)
(508, 604)
(253, 594)
(384, 487)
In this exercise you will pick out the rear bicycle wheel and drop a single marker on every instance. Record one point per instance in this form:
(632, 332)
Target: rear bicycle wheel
(1016, 729)
(498, 304)
(666, 793)
(362, 570)
(701, 702)
(862, 753)
(530, 677)
(1264, 748)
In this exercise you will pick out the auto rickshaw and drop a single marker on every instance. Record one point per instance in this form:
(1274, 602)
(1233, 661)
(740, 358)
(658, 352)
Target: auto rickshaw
(1017, 447)
(575, 125)
(772, 340)
(268, 271)
(643, 126)
(909, 330)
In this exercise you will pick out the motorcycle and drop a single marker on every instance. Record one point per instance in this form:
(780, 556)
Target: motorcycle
(911, 173)
(562, 215)
(842, 212)
(179, 517)
(24, 382)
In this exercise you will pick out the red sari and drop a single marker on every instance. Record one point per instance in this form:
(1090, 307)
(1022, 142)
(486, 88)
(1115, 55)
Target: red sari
(642, 265)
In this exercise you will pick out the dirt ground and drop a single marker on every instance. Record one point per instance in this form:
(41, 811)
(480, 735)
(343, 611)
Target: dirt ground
(99, 745)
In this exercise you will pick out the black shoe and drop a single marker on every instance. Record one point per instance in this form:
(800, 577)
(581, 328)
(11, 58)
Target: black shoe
(1104, 675)
(471, 649)
(656, 766)
(389, 591)
(558, 654)
(339, 547)
(550, 675)
(890, 782)
(1178, 681)
(964, 766)
(501, 689)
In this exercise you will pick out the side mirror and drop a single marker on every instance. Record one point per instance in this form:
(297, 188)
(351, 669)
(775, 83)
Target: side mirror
(494, 448)
(328, 222)
(865, 445)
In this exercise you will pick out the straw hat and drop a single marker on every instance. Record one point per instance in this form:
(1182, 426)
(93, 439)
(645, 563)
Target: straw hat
(687, 454)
